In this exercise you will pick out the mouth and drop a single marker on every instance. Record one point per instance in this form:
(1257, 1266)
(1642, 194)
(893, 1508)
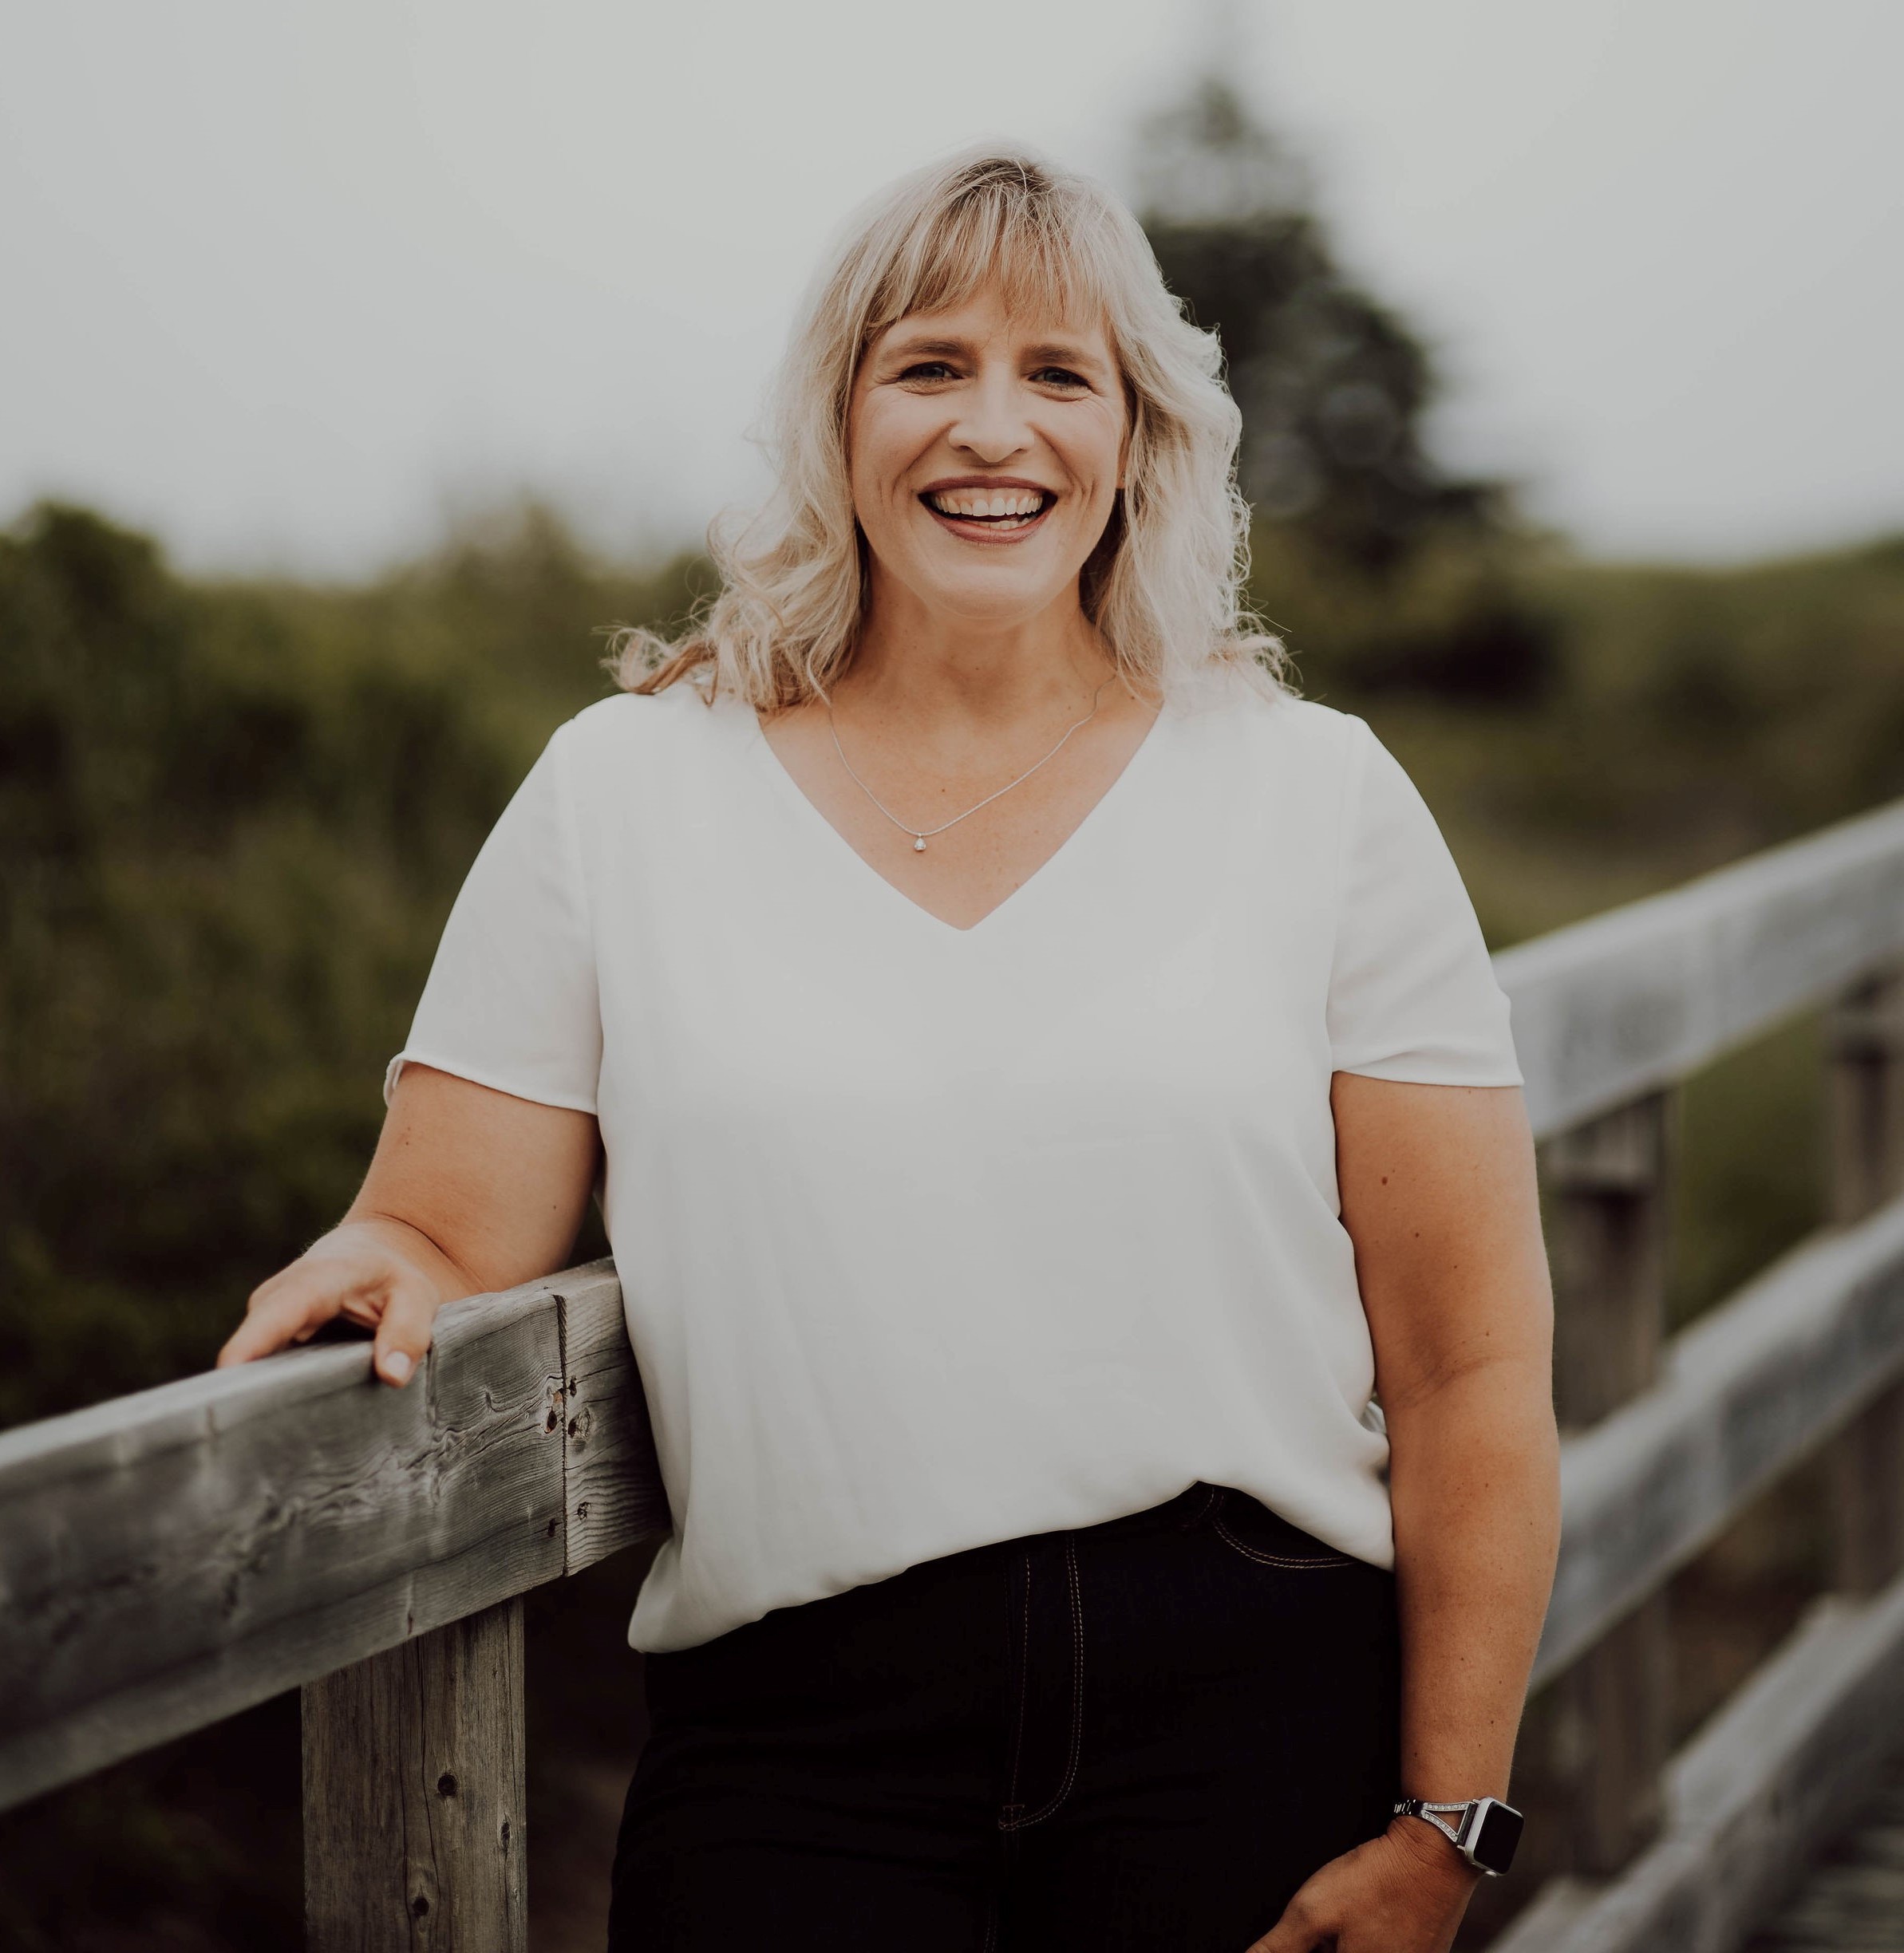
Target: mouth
(991, 513)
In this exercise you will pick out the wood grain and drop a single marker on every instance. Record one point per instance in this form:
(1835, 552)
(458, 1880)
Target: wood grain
(415, 1838)
(171, 1558)
(612, 1491)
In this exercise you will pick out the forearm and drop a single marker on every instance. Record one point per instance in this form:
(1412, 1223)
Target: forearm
(1474, 1483)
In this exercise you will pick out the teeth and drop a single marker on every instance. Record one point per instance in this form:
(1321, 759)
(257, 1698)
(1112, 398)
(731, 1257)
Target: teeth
(994, 507)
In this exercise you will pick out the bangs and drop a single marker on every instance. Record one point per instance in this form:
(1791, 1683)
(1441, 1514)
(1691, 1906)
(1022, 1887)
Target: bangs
(1002, 225)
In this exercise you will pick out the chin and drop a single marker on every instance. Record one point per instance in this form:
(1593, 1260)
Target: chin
(999, 589)
(991, 603)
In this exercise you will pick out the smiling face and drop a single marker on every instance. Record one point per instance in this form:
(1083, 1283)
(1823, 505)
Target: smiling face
(985, 451)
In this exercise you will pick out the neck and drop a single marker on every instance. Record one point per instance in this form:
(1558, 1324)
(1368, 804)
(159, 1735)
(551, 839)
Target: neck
(913, 663)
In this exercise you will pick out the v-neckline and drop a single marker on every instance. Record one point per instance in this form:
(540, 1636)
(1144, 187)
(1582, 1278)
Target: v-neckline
(787, 785)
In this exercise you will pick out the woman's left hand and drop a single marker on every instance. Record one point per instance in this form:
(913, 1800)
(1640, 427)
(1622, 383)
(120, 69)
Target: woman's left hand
(1399, 1893)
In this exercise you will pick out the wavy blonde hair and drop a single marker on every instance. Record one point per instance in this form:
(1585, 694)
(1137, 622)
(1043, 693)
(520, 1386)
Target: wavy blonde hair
(1165, 585)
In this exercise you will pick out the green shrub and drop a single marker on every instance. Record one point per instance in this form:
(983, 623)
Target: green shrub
(233, 817)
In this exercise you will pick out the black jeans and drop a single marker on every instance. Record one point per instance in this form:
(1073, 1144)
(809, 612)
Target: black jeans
(1140, 1737)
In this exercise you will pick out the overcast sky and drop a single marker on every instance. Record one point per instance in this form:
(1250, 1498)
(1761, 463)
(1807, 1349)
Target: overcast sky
(294, 283)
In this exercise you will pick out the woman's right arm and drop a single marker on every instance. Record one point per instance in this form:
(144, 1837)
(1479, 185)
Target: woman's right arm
(471, 1190)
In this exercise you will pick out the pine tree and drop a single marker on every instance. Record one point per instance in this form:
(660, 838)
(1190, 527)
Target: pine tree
(1333, 383)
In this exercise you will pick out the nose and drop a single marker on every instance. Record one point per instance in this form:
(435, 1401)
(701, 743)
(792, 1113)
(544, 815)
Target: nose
(993, 427)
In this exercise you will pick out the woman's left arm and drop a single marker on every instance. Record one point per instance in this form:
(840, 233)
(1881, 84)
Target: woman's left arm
(1438, 1197)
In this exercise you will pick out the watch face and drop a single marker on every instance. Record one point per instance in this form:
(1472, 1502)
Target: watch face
(1495, 1836)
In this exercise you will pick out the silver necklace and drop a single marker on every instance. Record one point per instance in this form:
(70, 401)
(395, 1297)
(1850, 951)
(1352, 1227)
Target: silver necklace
(921, 835)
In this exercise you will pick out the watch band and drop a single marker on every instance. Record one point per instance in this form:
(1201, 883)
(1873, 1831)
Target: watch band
(1485, 1832)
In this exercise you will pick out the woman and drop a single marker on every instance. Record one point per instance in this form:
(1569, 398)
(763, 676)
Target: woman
(1060, 1137)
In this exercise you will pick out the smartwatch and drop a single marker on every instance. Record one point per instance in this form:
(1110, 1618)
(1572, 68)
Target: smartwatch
(1485, 1832)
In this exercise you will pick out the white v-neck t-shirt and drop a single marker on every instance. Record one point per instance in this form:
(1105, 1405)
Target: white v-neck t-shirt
(932, 1237)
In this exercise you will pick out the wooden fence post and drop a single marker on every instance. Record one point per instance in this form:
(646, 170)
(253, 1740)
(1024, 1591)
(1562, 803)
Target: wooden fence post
(1607, 1185)
(413, 1796)
(1865, 1114)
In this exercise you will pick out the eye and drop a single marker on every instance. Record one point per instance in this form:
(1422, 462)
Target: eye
(1060, 377)
(928, 370)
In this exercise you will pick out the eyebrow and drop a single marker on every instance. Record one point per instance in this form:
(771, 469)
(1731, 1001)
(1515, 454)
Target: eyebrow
(1064, 352)
(927, 349)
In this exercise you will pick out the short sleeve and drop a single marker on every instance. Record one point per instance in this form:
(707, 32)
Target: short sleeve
(1412, 991)
(511, 1001)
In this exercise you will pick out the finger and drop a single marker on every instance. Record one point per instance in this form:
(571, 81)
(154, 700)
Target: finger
(403, 1334)
(290, 1307)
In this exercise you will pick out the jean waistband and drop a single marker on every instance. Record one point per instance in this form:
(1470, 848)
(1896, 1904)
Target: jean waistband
(1180, 1512)
(1223, 1507)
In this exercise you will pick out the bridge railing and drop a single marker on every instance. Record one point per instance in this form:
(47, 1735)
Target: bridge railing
(1667, 1440)
(172, 1557)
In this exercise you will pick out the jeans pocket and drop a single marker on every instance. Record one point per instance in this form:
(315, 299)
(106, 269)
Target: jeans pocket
(1250, 1530)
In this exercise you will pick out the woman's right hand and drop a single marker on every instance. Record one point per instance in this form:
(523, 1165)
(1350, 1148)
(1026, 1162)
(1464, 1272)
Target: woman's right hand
(358, 1271)
(490, 1189)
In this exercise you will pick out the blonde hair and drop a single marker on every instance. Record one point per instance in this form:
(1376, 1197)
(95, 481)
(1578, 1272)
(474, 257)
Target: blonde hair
(1163, 587)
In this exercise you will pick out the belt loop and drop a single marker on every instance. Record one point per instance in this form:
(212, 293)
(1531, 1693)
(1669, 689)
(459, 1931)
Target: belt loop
(1212, 1495)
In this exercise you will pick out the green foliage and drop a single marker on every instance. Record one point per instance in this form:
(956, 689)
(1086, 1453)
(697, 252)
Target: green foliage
(233, 817)
(1457, 621)
(1688, 717)
(1749, 704)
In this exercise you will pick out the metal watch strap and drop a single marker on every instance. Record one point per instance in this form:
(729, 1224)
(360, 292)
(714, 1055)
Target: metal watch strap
(1473, 1815)
(1413, 1807)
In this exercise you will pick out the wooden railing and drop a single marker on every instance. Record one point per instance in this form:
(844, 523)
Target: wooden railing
(171, 1558)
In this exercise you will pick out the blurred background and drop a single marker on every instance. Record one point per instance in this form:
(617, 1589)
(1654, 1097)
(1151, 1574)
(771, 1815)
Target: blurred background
(365, 361)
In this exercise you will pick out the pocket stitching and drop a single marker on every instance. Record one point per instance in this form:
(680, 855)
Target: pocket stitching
(1077, 1698)
(1318, 1562)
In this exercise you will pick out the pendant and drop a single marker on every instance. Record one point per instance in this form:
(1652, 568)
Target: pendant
(918, 844)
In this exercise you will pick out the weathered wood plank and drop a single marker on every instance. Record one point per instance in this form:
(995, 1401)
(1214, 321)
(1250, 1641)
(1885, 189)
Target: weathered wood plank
(1865, 1471)
(1744, 1394)
(1608, 1187)
(612, 1493)
(414, 1834)
(1608, 1184)
(174, 1556)
(1776, 1772)
(171, 1558)
(1865, 1079)
(1612, 1723)
(1865, 1086)
(1633, 1000)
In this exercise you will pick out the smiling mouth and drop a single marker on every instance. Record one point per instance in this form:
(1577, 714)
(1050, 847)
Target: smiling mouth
(989, 511)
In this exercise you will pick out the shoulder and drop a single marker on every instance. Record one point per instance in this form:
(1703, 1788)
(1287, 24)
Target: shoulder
(630, 734)
(1296, 736)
